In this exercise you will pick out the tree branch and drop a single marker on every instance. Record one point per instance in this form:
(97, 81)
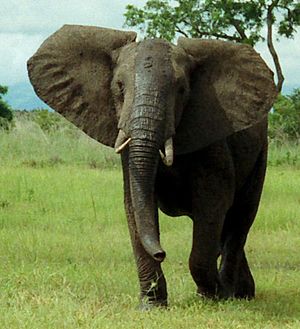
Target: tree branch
(179, 30)
(280, 77)
(213, 34)
(222, 36)
(239, 29)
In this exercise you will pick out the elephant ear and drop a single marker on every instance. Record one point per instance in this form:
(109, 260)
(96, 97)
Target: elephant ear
(231, 89)
(72, 72)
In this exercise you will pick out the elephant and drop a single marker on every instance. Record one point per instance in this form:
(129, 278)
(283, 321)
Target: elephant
(190, 124)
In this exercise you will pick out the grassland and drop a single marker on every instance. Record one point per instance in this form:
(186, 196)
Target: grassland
(65, 255)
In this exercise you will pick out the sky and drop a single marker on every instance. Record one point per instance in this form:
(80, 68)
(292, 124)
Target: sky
(25, 24)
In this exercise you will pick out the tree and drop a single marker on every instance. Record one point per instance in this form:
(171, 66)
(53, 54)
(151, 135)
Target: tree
(6, 114)
(238, 21)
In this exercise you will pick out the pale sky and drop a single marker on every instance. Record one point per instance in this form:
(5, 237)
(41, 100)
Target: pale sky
(26, 23)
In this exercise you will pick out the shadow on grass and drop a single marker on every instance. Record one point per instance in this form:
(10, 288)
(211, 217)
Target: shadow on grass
(283, 304)
(279, 306)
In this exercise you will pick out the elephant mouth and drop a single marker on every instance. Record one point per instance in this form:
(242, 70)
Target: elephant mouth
(167, 155)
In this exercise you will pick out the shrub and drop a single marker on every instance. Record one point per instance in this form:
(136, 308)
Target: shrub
(6, 114)
(48, 121)
(284, 120)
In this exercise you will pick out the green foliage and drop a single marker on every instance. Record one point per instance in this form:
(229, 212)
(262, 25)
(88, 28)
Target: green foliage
(240, 21)
(285, 154)
(284, 121)
(291, 18)
(48, 121)
(234, 20)
(6, 114)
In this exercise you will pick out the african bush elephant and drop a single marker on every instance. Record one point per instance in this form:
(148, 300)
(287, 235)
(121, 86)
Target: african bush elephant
(190, 122)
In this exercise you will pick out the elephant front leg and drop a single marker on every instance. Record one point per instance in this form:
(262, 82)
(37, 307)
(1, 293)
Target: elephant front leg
(203, 258)
(153, 288)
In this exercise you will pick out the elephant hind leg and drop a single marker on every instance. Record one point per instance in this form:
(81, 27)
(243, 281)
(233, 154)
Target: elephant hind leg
(235, 275)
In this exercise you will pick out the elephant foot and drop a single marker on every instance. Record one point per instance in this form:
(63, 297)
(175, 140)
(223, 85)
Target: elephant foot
(147, 305)
(220, 293)
(211, 291)
(155, 296)
(245, 288)
(201, 292)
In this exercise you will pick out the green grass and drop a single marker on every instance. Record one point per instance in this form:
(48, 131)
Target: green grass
(29, 145)
(287, 154)
(66, 259)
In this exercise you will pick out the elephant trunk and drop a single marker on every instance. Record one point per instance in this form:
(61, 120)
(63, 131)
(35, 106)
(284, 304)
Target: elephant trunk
(151, 125)
(147, 136)
(142, 167)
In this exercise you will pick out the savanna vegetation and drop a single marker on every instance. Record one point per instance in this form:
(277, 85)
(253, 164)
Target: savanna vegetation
(65, 254)
(66, 259)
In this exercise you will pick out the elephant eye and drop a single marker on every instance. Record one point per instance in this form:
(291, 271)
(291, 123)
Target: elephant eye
(121, 88)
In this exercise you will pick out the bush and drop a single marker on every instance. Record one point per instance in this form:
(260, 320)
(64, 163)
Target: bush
(48, 121)
(6, 114)
(284, 120)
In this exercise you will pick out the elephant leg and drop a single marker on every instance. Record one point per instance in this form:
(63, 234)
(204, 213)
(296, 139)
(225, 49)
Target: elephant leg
(153, 288)
(203, 258)
(245, 286)
(235, 274)
(213, 185)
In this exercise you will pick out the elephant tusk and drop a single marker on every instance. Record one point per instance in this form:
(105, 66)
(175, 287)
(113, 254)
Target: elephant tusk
(121, 142)
(168, 157)
(121, 147)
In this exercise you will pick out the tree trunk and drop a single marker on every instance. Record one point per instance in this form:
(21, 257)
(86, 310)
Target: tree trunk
(280, 77)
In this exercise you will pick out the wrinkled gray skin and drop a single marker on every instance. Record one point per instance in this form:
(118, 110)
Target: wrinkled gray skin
(216, 115)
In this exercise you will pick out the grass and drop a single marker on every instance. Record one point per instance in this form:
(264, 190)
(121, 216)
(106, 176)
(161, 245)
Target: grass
(66, 259)
(30, 146)
(287, 154)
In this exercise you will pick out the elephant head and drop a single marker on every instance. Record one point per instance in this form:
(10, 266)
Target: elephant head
(150, 97)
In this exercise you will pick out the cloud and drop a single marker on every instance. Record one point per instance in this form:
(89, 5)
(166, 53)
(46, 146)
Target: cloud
(18, 48)
(28, 22)
(30, 17)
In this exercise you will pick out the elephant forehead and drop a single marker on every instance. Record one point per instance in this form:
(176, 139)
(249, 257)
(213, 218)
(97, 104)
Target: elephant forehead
(153, 58)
